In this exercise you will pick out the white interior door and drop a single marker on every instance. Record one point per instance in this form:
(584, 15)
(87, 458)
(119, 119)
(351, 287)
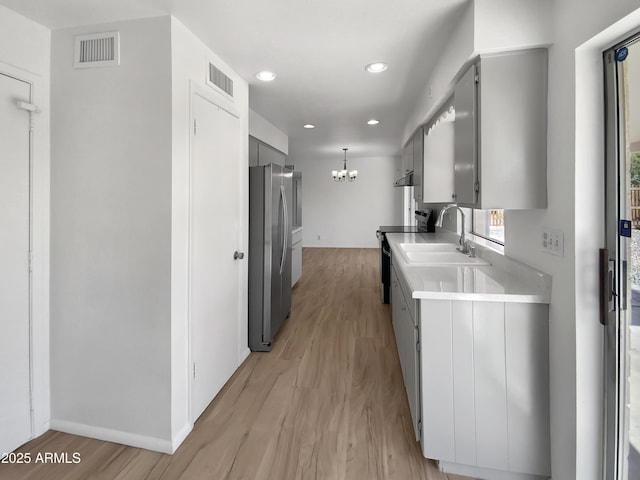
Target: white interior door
(15, 396)
(215, 274)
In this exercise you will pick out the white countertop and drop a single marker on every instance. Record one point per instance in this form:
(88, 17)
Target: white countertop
(504, 280)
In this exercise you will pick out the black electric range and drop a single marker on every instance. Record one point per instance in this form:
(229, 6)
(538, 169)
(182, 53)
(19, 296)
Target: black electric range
(423, 225)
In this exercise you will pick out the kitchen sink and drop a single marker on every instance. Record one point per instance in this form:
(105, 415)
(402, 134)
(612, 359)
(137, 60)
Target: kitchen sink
(428, 247)
(443, 258)
(437, 254)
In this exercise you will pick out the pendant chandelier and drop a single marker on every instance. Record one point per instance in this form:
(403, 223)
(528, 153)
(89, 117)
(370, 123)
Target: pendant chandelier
(344, 174)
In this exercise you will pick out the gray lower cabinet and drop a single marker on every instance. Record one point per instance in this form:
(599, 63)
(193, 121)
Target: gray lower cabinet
(406, 331)
(261, 154)
(296, 256)
(485, 388)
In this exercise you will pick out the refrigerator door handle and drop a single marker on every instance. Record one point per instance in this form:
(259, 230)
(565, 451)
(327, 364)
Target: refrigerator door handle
(285, 227)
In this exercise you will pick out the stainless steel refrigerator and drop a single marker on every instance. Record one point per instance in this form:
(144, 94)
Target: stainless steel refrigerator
(270, 224)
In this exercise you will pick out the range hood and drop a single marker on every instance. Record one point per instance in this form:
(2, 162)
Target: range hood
(406, 181)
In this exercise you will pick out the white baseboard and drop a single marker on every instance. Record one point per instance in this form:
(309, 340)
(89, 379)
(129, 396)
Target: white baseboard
(243, 356)
(180, 437)
(116, 436)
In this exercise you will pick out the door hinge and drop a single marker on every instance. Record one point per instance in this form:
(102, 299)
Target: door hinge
(417, 346)
(476, 78)
(477, 187)
(195, 127)
(420, 425)
(194, 369)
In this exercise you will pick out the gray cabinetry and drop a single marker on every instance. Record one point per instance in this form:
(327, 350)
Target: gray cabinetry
(438, 158)
(465, 158)
(418, 141)
(406, 331)
(261, 154)
(501, 131)
(296, 255)
(407, 158)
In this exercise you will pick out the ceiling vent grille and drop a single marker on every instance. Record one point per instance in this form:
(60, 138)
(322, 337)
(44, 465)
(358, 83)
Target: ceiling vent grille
(97, 50)
(216, 78)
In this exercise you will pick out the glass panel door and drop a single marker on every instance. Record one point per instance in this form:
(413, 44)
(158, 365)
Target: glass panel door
(622, 337)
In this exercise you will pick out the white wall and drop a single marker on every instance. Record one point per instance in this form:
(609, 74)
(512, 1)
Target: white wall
(111, 238)
(347, 215)
(267, 132)
(576, 197)
(511, 24)
(457, 51)
(25, 49)
(189, 57)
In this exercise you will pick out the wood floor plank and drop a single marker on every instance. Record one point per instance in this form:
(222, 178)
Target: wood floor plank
(326, 403)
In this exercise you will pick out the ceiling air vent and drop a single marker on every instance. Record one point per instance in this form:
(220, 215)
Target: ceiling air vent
(219, 80)
(97, 50)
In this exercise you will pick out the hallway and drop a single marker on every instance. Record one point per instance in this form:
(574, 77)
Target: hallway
(327, 403)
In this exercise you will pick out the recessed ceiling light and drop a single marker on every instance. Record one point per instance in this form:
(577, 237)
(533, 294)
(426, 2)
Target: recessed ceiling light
(309, 125)
(376, 67)
(373, 121)
(265, 76)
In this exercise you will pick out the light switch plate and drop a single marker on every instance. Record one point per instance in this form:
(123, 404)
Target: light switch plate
(553, 241)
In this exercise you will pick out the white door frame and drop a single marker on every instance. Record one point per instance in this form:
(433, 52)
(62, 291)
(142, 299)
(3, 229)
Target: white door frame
(39, 188)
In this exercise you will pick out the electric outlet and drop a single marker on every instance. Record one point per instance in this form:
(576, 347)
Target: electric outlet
(553, 241)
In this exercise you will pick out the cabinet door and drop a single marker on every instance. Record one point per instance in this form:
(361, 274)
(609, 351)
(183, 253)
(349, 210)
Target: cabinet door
(418, 140)
(296, 262)
(407, 158)
(396, 303)
(438, 164)
(466, 159)
(413, 376)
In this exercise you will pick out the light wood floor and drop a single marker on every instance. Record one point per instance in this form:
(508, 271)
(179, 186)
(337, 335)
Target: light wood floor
(327, 403)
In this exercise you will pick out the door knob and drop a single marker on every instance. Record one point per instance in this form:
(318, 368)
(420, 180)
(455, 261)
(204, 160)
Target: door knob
(238, 255)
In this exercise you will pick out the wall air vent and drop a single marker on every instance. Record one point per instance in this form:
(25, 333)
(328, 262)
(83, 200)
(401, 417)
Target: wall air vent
(97, 50)
(219, 80)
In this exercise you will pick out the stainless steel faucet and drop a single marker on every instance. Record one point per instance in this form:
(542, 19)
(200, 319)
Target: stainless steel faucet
(463, 247)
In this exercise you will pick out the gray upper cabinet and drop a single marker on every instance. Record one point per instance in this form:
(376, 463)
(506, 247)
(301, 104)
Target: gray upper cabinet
(262, 154)
(418, 141)
(501, 132)
(407, 158)
(438, 158)
(465, 158)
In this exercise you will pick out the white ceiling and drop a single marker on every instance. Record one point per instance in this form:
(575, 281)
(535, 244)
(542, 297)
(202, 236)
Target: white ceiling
(318, 49)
